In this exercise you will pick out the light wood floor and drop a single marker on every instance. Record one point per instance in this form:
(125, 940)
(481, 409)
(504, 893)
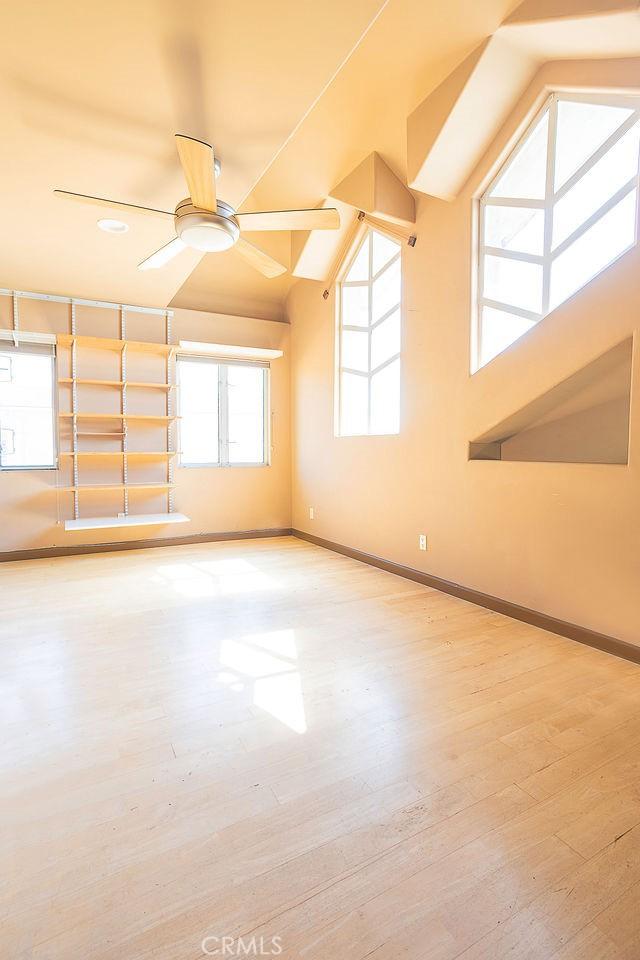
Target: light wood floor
(264, 739)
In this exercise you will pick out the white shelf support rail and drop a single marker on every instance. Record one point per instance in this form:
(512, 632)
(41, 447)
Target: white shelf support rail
(15, 316)
(123, 410)
(74, 428)
(170, 369)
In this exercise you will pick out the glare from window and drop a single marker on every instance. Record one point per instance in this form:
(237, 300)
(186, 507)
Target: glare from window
(370, 338)
(199, 411)
(27, 432)
(245, 387)
(562, 208)
(222, 412)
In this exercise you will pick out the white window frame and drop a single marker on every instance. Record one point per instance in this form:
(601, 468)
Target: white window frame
(551, 198)
(223, 409)
(49, 352)
(340, 326)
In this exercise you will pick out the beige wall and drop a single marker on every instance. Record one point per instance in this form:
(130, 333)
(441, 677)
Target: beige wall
(560, 538)
(217, 499)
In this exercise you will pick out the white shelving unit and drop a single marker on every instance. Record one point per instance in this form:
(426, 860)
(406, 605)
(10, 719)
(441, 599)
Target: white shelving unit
(85, 423)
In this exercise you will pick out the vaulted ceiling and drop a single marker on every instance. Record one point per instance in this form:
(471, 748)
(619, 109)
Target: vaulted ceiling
(292, 95)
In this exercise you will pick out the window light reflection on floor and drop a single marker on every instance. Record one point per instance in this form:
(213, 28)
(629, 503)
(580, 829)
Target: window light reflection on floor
(281, 696)
(277, 686)
(212, 578)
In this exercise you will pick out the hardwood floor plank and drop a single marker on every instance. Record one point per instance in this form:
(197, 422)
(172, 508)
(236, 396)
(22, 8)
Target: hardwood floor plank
(264, 738)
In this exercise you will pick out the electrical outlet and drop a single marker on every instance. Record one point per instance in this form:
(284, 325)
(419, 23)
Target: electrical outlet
(312, 515)
(422, 541)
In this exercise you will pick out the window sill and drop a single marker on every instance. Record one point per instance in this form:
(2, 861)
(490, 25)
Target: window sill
(20, 469)
(365, 436)
(219, 466)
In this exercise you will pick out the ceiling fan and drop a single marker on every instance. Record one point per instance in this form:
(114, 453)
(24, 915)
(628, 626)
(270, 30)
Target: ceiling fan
(210, 225)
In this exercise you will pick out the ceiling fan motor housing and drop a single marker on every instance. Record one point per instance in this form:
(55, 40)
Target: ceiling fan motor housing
(210, 232)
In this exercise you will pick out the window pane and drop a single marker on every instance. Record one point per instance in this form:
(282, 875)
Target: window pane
(370, 348)
(354, 400)
(514, 228)
(509, 280)
(355, 306)
(513, 282)
(246, 414)
(360, 266)
(355, 350)
(385, 340)
(608, 175)
(198, 411)
(30, 381)
(199, 438)
(385, 399)
(582, 128)
(198, 386)
(386, 290)
(526, 174)
(384, 250)
(499, 331)
(602, 243)
(27, 436)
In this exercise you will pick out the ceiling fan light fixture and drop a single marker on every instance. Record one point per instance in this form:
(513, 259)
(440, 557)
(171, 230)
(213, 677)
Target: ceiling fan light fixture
(112, 226)
(210, 237)
(206, 231)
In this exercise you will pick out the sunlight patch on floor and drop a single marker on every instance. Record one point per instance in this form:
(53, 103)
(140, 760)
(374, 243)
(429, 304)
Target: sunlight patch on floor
(213, 578)
(277, 685)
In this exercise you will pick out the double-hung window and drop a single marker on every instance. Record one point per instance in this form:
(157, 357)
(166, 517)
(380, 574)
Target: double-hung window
(27, 409)
(223, 411)
(561, 209)
(369, 337)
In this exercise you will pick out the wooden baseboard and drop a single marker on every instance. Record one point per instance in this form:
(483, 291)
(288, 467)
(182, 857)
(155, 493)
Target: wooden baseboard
(83, 548)
(619, 648)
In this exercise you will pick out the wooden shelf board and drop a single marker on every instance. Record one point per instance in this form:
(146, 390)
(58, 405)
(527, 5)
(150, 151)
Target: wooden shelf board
(117, 383)
(135, 520)
(104, 343)
(116, 416)
(119, 453)
(148, 385)
(100, 383)
(99, 433)
(116, 486)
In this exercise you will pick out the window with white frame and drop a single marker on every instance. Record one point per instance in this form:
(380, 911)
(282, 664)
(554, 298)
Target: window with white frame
(223, 412)
(561, 209)
(27, 411)
(369, 337)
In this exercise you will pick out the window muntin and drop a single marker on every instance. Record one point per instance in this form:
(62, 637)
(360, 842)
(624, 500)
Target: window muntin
(223, 412)
(27, 408)
(562, 208)
(369, 339)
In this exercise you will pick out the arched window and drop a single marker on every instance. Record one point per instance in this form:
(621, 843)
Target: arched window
(369, 328)
(560, 210)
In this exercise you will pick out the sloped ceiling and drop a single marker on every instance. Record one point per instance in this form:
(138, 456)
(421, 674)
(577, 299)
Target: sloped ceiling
(452, 128)
(92, 93)
(292, 95)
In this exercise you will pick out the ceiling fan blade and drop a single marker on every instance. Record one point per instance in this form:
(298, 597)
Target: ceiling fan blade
(163, 255)
(114, 204)
(197, 162)
(259, 260)
(318, 218)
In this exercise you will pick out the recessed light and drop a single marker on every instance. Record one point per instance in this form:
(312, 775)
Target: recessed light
(113, 226)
